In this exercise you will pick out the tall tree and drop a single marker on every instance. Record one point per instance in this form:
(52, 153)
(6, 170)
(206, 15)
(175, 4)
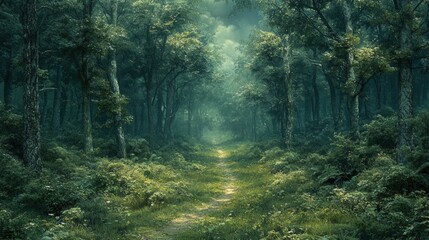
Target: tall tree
(31, 84)
(113, 79)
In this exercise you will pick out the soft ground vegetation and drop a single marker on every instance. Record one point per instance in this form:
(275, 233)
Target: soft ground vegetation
(346, 189)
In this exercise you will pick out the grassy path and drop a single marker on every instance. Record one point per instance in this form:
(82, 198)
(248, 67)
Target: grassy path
(201, 212)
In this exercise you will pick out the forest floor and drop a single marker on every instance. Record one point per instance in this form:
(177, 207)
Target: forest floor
(186, 220)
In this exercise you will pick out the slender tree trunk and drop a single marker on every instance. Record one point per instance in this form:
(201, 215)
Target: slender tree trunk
(190, 112)
(405, 112)
(354, 116)
(316, 103)
(8, 81)
(333, 101)
(86, 80)
(113, 79)
(64, 103)
(87, 124)
(351, 76)
(160, 113)
(31, 91)
(169, 112)
(149, 108)
(288, 85)
(45, 107)
(378, 93)
(56, 122)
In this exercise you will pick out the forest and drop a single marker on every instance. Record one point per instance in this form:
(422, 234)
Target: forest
(214, 119)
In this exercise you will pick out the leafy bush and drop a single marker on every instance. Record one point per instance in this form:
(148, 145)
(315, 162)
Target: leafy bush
(13, 177)
(139, 148)
(382, 132)
(11, 130)
(53, 193)
(349, 156)
(400, 217)
(140, 185)
(95, 211)
(388, 181)
(11, 225)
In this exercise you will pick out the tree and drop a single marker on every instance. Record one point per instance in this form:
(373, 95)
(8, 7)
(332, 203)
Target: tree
(113, 79)
(31, 84)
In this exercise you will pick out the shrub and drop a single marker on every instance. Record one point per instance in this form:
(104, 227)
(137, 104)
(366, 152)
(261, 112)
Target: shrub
(11, 130)
(388, 181)
(95, 211)
(11, 225)
(139, 148)
(382, 132)
(134, 183)
(349, 156)
(13, 177)
(52, 193)
(400, 217)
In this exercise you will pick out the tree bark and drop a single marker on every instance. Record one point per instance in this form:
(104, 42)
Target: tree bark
(333, 102)
(87, 124)
(160, 112)
(31, 91)
(113, 79)
(169, 112)
(351, 76)
(288, 92)
(405, 112)
(86, 80)
(316, 102)
(56, 112)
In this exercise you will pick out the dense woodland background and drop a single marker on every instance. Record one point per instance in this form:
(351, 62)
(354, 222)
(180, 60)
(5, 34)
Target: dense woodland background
(113, 100)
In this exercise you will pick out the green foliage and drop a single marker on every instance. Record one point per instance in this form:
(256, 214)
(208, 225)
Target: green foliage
(110, 104)
(382, 132)
(11, 131)
(14, 176)
(139, 184)
(401, 217)
(14, 225)
(139, 148)
(53, 193)
(385, 182)
(350, 157)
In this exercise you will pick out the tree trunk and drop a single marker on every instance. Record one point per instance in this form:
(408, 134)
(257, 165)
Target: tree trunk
(169, 112)
(56, 122)
(351, 76)
(288, 92)
(405, 112)
(354, 116)
(113, 79)
(64, 103)
(86, 80)
(8, 81)
(190, 111)
(316, 103)
(31, 91)
(149, 108)
(333, 101)
(160, 112)
(87, 125)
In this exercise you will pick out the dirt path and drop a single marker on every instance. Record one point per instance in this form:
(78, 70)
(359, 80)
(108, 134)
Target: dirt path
(186, 220)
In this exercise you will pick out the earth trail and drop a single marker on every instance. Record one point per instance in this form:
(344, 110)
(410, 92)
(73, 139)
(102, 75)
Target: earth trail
(187, 220)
